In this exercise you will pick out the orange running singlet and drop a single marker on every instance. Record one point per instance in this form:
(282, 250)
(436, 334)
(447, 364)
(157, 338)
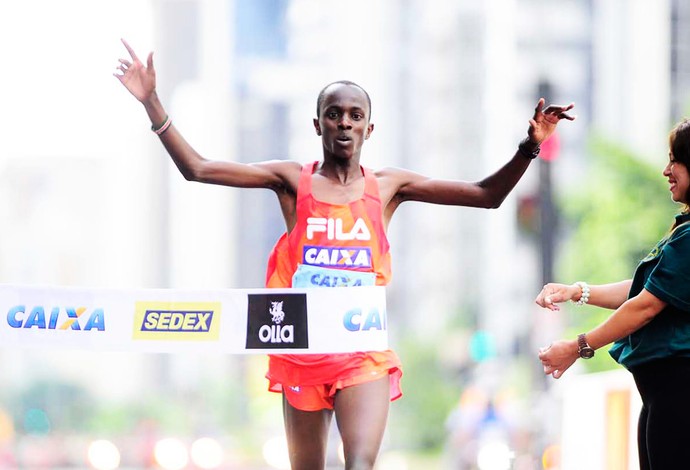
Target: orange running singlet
(348, 237)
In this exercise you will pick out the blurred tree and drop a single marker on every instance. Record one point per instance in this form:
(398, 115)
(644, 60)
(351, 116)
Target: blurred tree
(212, 407)
(418, 419)
(619, 210)
(50, 405)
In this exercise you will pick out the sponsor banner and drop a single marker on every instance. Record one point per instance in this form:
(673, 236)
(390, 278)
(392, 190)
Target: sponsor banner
(232, 321)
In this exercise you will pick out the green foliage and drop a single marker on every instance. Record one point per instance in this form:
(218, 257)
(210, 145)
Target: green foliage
(616, 215)
(47, 406)
(418, 419)
(215, 405)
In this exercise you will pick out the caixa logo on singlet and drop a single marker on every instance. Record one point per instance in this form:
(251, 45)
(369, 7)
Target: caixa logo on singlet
(331, 255)
(277, 321)
(336, 257)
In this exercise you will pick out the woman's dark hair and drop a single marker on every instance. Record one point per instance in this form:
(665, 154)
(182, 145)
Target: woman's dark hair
(679, 144)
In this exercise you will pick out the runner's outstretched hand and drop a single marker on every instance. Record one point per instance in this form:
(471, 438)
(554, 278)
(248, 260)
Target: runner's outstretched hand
(139, 80)
(545, 120)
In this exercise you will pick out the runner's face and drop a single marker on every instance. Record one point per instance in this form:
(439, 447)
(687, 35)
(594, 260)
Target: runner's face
(678, 179)
(343, 122)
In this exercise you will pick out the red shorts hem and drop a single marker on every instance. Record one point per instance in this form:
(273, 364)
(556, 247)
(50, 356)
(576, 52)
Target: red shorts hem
(322, 396)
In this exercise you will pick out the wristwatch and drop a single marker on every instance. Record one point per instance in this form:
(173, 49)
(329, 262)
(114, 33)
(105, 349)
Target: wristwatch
(583, 349)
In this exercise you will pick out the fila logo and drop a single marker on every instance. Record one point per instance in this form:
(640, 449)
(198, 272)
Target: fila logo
(333, 228)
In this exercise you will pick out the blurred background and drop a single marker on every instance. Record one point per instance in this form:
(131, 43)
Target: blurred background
(89, 198)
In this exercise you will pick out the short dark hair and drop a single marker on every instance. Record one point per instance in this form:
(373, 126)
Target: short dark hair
(322, 93)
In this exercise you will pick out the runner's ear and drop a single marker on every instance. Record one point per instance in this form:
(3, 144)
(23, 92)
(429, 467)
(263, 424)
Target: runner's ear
(370, 129)
(317, 126)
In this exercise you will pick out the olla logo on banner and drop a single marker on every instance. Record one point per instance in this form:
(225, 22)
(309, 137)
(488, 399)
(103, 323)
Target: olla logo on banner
(277, 321)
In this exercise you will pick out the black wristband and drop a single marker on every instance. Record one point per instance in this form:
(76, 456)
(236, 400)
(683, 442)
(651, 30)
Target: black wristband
(528, 149)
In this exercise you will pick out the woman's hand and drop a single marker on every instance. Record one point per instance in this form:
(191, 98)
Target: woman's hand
(140, 80)
(553, 294)
(558, 357)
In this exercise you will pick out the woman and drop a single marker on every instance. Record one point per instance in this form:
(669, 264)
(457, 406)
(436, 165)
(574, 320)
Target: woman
(650, 327)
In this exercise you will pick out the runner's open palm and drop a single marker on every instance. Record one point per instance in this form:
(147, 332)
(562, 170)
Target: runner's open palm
(545, 120)
(140, 80)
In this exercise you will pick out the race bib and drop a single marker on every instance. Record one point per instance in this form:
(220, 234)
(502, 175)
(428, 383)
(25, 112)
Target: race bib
(315, 276)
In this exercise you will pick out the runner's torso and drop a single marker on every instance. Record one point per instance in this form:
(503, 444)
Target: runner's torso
(349, 238)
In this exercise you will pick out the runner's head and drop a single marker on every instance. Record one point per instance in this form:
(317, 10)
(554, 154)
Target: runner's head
(324, 90)
(343, 110)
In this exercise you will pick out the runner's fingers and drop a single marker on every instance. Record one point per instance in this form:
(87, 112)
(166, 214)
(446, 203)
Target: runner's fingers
(129, 49)
(560, 111)
(539, 107)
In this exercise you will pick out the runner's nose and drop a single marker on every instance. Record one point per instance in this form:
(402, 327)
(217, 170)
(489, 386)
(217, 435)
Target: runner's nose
(345, 122)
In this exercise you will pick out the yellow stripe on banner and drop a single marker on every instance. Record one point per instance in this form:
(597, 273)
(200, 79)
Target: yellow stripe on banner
(70, 322)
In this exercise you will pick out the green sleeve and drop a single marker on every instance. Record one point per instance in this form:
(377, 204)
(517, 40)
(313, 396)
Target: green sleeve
(670, 279)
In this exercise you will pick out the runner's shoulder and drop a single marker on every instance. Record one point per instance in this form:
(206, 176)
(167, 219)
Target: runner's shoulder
(283, 168)
(397, 177)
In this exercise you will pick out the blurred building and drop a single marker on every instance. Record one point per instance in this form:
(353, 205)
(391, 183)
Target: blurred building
(680, 60)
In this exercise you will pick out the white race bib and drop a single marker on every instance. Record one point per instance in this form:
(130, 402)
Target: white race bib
(315, 276)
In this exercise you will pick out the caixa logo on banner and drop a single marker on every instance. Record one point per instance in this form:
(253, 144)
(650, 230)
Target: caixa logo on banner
(56, 318)
(277, 321)
(359, 320)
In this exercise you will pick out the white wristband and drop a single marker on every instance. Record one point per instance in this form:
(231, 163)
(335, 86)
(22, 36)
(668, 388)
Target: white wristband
(584, 293)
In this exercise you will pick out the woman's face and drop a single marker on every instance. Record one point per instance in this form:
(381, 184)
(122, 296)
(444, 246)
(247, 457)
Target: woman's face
(678, 179)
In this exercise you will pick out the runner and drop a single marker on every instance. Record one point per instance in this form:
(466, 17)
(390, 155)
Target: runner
(336, 214)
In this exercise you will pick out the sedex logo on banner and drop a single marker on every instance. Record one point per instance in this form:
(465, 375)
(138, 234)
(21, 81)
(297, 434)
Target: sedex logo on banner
(277, 321)
(177, 321)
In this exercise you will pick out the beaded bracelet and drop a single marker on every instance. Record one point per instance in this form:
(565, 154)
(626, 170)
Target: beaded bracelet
(163, 127)
(584, 293)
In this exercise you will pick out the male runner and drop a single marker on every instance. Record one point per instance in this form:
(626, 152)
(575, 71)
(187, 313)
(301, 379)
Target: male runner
(357, 202)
